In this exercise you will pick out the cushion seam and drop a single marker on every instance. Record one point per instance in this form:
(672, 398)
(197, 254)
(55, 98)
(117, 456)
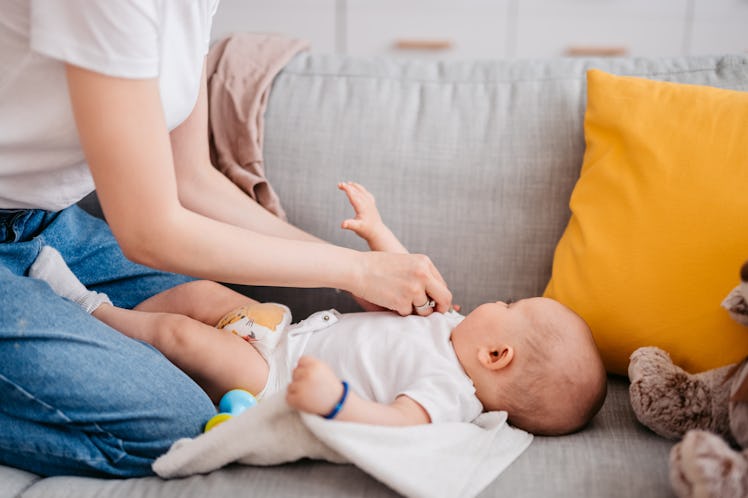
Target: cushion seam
(580, 77)
(30, 485)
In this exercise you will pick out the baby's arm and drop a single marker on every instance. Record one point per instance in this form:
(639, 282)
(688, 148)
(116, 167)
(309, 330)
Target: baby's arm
(316, 389)
(367, 223)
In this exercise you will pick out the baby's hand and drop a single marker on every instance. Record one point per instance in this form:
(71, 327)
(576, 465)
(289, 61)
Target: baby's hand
(368, 223)
(314, 388)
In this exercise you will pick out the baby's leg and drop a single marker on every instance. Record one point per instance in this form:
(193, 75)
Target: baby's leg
(203, 300)
(260, 324)
(218, 362)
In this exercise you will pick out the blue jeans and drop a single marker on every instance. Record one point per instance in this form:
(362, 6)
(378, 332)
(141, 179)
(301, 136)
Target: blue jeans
(76, 396)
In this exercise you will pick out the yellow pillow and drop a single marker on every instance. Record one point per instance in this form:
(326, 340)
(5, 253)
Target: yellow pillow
(659, 225)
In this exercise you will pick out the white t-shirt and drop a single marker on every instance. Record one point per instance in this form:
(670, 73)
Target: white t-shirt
(383, 355)
(41, 161)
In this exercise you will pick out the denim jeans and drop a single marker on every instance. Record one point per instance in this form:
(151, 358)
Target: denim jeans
(76, 396)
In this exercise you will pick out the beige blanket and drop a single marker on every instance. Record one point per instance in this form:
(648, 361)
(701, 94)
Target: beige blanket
(240, 72)
(449, 460)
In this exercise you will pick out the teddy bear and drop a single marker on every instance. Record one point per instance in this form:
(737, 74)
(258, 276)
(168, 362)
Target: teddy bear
(708, 410)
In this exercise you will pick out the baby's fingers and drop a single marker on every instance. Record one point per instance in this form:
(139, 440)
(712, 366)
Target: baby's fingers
(350, 190)
(352, 224)
(361, 190)
(358, 196)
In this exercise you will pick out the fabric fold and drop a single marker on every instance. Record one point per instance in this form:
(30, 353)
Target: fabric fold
(240, 70)
(432, 460)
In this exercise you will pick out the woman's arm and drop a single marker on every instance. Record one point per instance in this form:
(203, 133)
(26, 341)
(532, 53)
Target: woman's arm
(205, 190)
(128, 148)
(316, 389)
(124, 136)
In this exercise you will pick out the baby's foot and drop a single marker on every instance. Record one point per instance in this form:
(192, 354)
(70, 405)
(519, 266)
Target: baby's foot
(50, 267)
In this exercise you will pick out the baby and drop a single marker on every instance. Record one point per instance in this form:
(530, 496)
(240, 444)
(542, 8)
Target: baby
(534, 358)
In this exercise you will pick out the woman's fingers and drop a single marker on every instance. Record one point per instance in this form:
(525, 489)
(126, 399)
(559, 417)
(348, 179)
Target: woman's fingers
(425, 290)
(440, 294)
(401, 282)
(436, 288)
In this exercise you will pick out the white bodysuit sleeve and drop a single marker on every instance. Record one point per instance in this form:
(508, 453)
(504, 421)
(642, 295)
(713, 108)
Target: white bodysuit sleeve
(445, 398)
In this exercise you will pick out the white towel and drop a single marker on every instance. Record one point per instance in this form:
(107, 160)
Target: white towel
(431, 460)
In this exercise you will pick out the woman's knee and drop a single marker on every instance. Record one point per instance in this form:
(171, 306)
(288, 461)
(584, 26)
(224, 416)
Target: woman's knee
(185, 412)
(181, 412)
(120, 441)
(176, 408)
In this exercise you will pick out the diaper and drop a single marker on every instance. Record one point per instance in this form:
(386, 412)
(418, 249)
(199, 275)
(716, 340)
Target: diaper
(261, 324)
(283, 358)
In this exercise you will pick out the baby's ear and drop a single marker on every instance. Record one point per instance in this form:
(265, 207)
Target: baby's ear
(496, 357)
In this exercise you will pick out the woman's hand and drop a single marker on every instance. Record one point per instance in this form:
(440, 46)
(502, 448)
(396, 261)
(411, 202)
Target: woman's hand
(314, 388)
(406, 284)
(401, 282)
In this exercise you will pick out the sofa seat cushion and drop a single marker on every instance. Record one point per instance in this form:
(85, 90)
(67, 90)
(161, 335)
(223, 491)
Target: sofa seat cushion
(613, 457)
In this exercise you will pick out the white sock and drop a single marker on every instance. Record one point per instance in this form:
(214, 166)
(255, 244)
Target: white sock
(50, 267)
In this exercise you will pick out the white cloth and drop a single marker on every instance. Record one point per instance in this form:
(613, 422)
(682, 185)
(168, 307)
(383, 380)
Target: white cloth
(449, 460)
(41, 160)
(383, 355)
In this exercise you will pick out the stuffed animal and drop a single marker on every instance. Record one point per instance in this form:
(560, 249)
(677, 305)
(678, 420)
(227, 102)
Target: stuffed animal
(709, 410)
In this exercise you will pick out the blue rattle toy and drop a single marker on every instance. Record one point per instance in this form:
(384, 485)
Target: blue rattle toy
(232, 404)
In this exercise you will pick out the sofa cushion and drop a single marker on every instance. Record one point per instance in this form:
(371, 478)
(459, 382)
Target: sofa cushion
(657, 233)
(471, 162)
(13, 481)
(613, 457)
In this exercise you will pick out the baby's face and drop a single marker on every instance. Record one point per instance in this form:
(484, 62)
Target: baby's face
(503, 321)
(547, 351)
(515, 324)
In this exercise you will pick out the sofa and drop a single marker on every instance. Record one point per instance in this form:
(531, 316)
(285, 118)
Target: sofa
(472, 163)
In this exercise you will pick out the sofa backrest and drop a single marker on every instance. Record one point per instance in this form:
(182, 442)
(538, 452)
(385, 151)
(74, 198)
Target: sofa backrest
(471, 162)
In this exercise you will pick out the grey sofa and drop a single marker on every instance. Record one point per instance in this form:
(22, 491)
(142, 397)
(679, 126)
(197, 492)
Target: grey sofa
(473, 164)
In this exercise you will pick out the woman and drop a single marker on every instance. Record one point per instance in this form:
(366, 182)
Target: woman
(112, 95)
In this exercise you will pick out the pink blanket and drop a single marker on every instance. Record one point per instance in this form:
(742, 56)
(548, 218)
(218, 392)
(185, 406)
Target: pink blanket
(240, 72)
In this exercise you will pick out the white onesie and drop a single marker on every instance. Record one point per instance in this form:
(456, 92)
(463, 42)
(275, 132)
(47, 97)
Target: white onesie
(383, 355)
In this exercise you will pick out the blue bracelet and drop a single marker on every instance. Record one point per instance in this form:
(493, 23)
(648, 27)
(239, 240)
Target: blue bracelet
(337, 407)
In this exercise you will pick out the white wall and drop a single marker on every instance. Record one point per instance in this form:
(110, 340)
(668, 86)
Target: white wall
(497, 28)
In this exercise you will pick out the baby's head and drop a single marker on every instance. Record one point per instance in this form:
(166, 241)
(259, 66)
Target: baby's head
(536, 359)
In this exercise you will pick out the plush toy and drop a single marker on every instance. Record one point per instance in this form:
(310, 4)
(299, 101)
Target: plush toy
(708, 410)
